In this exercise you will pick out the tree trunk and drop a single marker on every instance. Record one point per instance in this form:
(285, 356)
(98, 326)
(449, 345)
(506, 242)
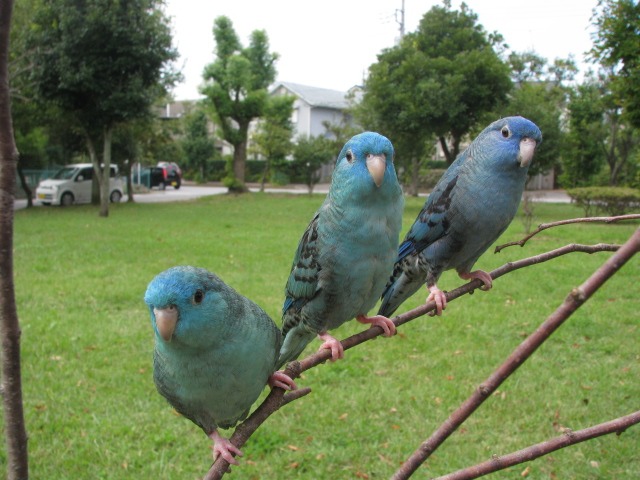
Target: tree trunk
(25, 186)
(95, 161)
(106, 173)
(265, 172)
(11, 386)
(240, 160)
(445, 150)
(127, 168)
(415, 176)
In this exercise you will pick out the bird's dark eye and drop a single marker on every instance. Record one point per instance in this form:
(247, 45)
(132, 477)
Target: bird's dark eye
(506, 133)
(198, 297)
(349, 156)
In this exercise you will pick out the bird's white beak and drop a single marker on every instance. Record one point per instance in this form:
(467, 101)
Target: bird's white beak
(166, 319)
(377, 164)
(527, 147)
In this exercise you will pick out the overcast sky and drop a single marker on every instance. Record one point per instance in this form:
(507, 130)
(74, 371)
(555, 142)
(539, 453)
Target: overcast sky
(331, 43)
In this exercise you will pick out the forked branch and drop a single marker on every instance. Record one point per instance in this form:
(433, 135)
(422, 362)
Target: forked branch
(544, 226)
(574, 300)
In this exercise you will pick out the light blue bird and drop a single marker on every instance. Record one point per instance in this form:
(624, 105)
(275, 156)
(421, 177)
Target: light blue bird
(347, 252)
(470, 207)
(215, 350)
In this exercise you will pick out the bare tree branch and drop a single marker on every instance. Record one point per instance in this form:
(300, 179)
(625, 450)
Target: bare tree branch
(276, 399)
(14, 425)
(618, 426)
(544, 226)
(273, 402)
(574, 300)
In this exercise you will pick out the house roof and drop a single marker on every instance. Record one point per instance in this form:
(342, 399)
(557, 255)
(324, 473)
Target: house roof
(314, 96)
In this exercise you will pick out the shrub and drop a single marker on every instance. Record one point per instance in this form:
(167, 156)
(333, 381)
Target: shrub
(611, 200)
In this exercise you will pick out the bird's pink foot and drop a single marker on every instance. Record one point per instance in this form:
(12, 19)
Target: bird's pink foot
(438, 296)
(387, 325)
(224, 448)
(281, 380)
(481, 275)
(337, 352)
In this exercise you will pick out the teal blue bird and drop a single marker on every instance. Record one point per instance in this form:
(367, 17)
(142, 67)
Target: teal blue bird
(347, 252)
(215, 351)
(470, 207)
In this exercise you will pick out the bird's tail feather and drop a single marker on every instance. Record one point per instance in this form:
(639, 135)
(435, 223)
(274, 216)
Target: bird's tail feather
(295, 341)
(396, 293)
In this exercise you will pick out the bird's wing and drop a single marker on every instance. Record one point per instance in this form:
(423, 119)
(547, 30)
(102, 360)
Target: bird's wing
(302, 284)
(432, 221)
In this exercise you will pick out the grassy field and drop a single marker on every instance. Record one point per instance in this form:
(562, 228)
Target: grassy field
(93, 413)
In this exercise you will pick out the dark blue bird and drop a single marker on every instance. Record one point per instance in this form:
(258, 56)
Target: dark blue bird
(470, 207)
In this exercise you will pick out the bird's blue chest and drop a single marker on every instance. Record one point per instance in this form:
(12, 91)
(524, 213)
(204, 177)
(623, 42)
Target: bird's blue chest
(358, 252)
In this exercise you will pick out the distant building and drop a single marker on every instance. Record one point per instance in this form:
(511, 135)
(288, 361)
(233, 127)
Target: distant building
(176, 110)
(314, 106)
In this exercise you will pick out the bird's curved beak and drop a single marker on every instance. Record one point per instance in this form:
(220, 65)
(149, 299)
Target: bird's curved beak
(166, 319)
(527, 147)
(377, 164)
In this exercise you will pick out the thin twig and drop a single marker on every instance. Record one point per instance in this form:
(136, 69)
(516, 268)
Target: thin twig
(544, 226)
(273, 400)
(574, 300)
(276, 399)
(618, 426)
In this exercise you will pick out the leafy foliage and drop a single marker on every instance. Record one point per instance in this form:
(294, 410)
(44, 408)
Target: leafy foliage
(598, 135)
(611, 200)
(617, 47)
(273, 136)
(438, 83)
(83, 49)
(199, 149)
(309, 154)
(236, 88)
(584, 154)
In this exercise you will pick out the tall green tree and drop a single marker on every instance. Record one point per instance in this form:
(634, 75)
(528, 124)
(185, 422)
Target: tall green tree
(617, 48)
(104, 63)
(273, 136)
(600, 135)
(584, 154)
(198, 146)
(437, 83)
(541, 93)
(236, 89)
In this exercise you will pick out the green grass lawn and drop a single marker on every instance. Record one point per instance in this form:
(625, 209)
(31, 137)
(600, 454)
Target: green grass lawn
(91, 407)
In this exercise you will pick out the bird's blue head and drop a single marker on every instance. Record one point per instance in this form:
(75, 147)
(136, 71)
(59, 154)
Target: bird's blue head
(185, 304)
(365, 164)
(509, 141)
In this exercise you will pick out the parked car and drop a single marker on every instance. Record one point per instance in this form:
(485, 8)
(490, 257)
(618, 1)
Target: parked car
(172, 175)
(72, 184)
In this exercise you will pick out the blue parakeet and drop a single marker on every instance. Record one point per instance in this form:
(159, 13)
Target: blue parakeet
(215, 350)
(347, 252)
(470, 207)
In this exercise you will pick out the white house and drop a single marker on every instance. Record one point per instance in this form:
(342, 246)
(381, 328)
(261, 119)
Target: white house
(313, 106)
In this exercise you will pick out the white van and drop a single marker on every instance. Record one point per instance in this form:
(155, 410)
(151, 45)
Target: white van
(72, 184)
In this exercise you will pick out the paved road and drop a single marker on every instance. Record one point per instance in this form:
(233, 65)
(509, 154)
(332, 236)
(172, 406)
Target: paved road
(190, 192)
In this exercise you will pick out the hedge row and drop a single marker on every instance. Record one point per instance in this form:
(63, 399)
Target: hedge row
(610, 200)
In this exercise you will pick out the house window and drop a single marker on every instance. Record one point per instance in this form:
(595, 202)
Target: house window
(294, 116)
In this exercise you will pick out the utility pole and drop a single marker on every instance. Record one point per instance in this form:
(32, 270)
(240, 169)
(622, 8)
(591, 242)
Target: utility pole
(400, 21)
